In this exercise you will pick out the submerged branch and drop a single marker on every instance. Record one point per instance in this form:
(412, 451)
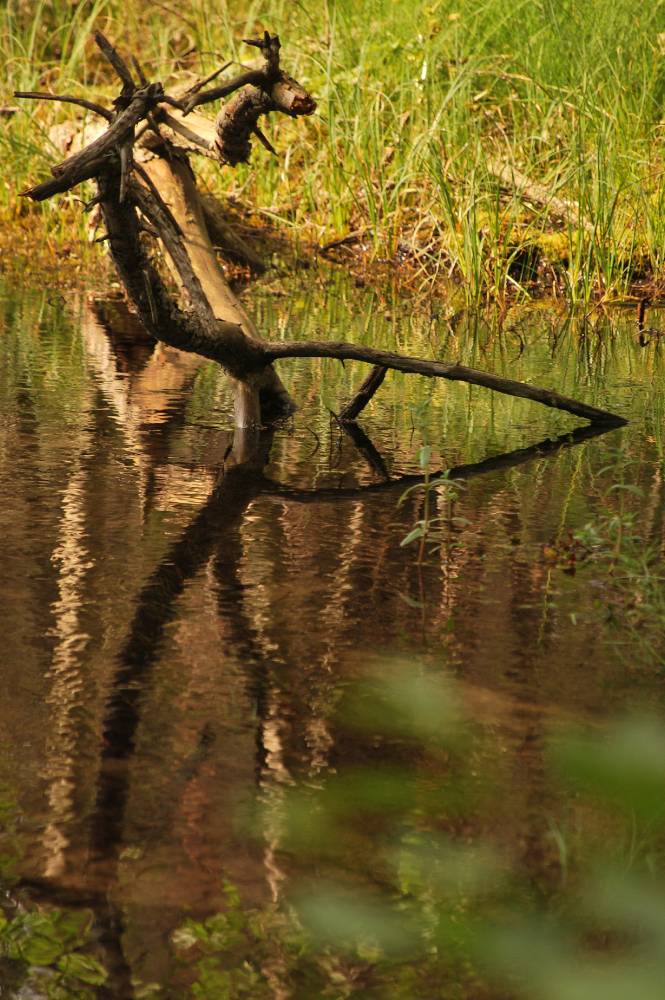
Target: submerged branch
(370, 386)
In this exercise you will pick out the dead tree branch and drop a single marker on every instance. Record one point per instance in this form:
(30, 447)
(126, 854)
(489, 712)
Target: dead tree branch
(439, 369)
(81, 102)
(513, 180)
(148, 174)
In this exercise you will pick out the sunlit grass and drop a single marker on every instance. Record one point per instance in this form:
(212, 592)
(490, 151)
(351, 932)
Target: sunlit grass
(417, 103)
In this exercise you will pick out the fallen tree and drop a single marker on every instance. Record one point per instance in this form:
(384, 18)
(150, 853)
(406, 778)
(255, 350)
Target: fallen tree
(147, 191)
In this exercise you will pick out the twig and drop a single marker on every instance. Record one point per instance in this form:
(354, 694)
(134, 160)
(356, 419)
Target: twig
(143, 80)
(196, 87)
(511, 178)
(264, 140)
(116, 60)
(33, 95)
(254, 77)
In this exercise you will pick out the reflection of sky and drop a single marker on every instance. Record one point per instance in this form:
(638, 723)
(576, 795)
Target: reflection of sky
(108, 459)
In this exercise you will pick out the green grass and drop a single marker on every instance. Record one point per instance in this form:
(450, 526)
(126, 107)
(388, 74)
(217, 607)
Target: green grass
(416, 99)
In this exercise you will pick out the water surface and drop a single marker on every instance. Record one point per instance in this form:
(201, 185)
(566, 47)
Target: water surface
(182, 616)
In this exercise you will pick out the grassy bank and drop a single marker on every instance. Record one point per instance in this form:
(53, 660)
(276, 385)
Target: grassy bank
(446, 131)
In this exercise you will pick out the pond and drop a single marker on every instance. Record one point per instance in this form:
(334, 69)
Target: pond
(184, 614)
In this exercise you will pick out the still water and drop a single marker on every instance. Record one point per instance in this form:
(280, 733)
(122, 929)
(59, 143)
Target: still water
(182, 613)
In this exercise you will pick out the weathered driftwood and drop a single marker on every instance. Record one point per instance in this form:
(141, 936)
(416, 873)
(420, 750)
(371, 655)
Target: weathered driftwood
(513, 180)
(145, 184)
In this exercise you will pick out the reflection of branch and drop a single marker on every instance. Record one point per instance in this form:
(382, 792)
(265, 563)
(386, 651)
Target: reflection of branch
(367, 449)
(155, 609)
(156, 603)
(509, 460)
(213, 530)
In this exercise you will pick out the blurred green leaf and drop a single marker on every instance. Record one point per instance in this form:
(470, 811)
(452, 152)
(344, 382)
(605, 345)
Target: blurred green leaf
(539, 960)
(624, 767)
(632, 905)
(446, 868)
(358, 922)
(406, 703)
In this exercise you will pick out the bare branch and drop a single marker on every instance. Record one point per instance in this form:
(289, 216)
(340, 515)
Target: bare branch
(34, 95)
(440, 369)
(512, 180)
(264, 140)
(255, 77)
(143, 80)
(116, 60)
(200, 84)
(92, 160)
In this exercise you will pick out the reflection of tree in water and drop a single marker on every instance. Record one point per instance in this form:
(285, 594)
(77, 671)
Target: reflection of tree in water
(286, 583)
(290, 714)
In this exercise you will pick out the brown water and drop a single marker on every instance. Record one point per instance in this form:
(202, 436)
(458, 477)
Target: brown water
(184, 609)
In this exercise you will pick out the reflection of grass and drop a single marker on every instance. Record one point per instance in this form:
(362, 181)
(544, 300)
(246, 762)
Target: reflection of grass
(417, 100)
(619, 557)
(630, 581)
(420, 909)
